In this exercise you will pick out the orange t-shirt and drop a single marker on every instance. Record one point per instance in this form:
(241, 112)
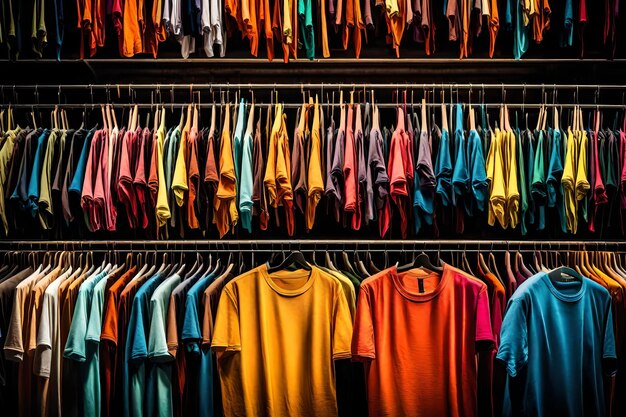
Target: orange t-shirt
(108, 340)
(284, 195)
(226, 214)
(418, 334)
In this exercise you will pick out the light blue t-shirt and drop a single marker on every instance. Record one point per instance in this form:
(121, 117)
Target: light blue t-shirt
(238, 137)
(557, 342)
(159, 401)
(246, 184)
(77, 348)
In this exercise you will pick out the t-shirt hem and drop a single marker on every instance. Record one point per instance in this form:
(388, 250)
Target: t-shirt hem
(225, 348)
(342, 355)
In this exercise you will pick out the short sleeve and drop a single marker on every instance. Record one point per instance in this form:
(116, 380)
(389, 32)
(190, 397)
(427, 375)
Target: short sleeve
(484, 333)
(342, 325)
(137, 333)
(226, 332)
(363, 341)
(608, 344)
(43, 354)
(513, 351)
(157, 343)
(75, 348)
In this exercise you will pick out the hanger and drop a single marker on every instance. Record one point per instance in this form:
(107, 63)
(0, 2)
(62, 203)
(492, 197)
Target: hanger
(444, 111)
(420, 261)
(294, 258)
(558, 273)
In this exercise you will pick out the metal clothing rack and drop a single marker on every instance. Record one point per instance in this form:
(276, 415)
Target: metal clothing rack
(311, 245)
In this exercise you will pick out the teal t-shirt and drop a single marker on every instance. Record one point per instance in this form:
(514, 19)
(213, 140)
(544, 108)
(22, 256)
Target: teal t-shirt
(159, 401)
(238, 139)
(557, 343)
(539, 191)
(305, 19)
(94, 329)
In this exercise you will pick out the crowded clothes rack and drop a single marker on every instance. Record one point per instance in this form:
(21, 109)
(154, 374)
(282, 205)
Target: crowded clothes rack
(162, 328)
(405, 160)
(306, 30)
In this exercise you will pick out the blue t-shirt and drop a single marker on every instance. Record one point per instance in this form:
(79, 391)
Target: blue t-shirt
(35, 178)
(79, 176)
(460, 177)
(553, 184)
(557, 342)
(136, 349)
(443, 169)
(192, 337)
(478, 171)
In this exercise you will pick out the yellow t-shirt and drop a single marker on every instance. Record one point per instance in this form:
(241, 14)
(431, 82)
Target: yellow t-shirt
(179, 180)
(512, 197)
(315, 185)
(6, 153)
(225, 204)
(569, 181)
(497, 180)
(277, 336)
(582, 184)
(162, 207)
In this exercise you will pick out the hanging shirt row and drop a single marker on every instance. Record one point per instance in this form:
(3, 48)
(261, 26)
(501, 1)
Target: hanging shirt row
(295, 26)
(244, 170)
(133, 338)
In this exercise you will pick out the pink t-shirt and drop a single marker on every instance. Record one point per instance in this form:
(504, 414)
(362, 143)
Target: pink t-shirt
(418, 334)
(398, 159)
(139, 182)
(91, 171)
(100, 193)
(349, 166)
(125, 188)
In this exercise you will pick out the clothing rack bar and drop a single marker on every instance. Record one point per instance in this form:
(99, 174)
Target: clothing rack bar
(298, 105)
(298, 242)
(296, 86)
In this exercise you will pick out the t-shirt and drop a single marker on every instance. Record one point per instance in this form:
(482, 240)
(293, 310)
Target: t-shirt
(136, 354)
(8, 370)
(249, 337)
(477, 170)
(443, 169)
(109, 338)
(48, 354)
(77, 347)
(461, 175)
(557, 338)
(35, 177)
(225, 205)
(398, 181)
(158, 398)
(46, 210)
(315, 180)
(425, 183)
(497, 180)
(377, 181)
(246, 179)
(443, 320)
(6, 153)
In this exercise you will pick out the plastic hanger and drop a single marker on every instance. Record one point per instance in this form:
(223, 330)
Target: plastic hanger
(294, 258)
(420, 261)
(558, 273)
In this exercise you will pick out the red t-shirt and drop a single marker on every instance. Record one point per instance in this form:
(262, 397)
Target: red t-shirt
(418, 333)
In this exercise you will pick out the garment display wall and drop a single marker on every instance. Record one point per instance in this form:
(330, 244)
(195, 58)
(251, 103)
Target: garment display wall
(420, 215)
